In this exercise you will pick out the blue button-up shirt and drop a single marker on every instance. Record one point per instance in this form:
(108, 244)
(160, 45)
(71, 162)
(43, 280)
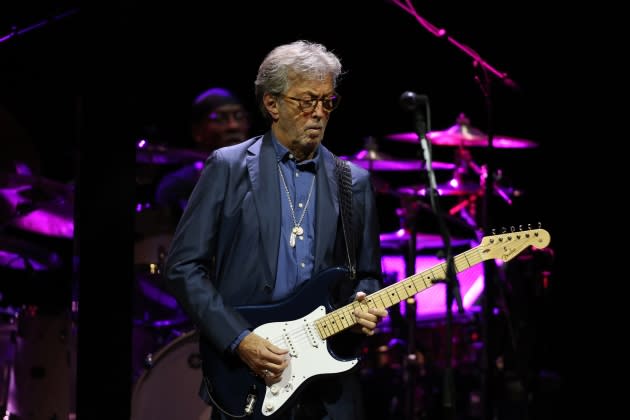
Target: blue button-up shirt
(295, 264)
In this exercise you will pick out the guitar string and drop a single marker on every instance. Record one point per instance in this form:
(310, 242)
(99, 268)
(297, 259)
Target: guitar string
(294, 335)
(299, 335)
(463, 261)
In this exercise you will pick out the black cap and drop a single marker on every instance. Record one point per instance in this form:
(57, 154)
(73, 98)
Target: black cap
(211, 99)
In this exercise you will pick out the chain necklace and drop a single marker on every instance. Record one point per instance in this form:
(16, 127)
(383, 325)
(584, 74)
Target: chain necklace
(297, 224)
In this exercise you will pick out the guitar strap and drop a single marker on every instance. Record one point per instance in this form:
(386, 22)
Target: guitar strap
(344, 188)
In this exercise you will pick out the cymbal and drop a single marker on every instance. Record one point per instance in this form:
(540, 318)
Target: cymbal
(19, 254)
(38, 205)
(41, 184)
(445, 189)
(52, 219)
(373, 160)
(162, 155)
(464, 135)
(401, 238)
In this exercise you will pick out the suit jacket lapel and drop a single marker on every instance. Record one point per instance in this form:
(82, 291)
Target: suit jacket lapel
(261, 163)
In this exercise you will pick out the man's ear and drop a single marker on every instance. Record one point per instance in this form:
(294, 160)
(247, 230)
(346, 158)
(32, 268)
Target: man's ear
(271, 105)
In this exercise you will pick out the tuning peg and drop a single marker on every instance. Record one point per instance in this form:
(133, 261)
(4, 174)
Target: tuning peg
(512, 229)
(520, 227)
(503, 229)
(494, 232)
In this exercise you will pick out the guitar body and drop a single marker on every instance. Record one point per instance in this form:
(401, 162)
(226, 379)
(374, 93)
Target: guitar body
(231, 383)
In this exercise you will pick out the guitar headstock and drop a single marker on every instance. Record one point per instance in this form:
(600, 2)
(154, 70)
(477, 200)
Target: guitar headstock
(508, 245)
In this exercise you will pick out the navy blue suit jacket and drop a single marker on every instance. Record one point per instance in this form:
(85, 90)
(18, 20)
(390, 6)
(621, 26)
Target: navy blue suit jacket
(225, 248)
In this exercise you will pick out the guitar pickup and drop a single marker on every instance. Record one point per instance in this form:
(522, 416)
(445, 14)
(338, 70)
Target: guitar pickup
(310, 333)
(289, 344)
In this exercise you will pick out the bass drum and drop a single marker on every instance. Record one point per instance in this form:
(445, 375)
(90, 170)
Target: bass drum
(169, 388)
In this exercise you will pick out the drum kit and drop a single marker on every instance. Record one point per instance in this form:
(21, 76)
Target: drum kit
(37, 347)
(461, 183)
(36, 223)
(461, 188)
(158, 154)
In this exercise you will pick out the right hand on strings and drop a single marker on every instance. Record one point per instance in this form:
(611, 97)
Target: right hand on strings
(263, 358)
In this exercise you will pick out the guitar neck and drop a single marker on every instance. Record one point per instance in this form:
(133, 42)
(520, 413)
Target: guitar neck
(343, 318)
(504, 246)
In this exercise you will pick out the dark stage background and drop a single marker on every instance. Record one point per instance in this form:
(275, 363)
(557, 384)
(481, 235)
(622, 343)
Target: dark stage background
(81, 88)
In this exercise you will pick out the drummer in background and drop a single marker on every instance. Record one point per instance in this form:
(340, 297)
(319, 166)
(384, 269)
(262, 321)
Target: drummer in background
(218, 119)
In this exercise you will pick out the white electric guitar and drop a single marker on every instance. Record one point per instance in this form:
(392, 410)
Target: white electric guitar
(303, 322)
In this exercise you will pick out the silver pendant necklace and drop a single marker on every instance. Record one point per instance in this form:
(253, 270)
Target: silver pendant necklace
(297, 229)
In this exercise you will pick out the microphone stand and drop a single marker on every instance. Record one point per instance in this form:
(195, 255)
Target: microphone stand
(15, 31)
(407, 6)
(488, 299)
(451, 282)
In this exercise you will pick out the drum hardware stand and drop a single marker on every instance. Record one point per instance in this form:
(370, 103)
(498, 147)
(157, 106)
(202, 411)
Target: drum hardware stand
(467, 208)
(464, 167)
(8, 361)
(488, 331)
(419, 105)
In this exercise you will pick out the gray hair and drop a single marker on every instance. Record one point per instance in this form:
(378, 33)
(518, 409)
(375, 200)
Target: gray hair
(306, 59)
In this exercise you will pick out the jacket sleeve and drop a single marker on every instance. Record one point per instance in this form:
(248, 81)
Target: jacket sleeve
(188, 269)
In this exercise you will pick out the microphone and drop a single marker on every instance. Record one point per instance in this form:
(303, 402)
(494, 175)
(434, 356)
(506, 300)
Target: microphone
(410, 100)
(419, 105)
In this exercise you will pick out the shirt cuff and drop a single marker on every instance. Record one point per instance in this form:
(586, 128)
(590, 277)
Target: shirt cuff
(238, 340)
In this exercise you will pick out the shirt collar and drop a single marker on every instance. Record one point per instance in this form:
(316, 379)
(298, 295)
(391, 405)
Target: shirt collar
(283, 155)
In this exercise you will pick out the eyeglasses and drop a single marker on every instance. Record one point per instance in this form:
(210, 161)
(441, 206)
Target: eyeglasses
(222, 117)
(308, 105)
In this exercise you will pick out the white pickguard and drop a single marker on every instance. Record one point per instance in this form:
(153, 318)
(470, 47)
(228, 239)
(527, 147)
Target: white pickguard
(309, 357)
